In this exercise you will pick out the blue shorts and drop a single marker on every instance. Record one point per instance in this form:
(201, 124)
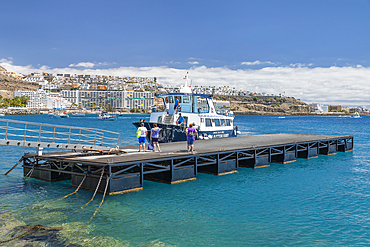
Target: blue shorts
(141, 139)
(190, 140)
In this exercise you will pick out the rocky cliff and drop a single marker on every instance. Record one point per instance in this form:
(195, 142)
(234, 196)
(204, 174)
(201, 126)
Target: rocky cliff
(266, 105)
(10, 84)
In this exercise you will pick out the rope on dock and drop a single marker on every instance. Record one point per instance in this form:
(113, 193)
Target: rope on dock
(11, 169)
(105, 191)
(75, 190)
(30, 230)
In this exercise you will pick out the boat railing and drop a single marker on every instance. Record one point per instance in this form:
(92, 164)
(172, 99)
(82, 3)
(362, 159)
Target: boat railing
(29, 134)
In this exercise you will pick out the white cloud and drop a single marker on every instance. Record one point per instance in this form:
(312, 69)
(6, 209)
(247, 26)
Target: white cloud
(194, 62)
(299, 65)
(257, 62)
(83, 64)
(334, 85)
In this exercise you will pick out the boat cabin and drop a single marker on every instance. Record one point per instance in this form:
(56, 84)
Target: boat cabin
(188, 103)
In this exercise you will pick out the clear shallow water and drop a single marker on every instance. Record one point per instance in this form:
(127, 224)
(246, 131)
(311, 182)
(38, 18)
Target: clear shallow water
(321, 201)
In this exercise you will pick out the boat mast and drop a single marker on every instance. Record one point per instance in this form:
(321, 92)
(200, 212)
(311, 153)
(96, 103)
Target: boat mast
(186, 88)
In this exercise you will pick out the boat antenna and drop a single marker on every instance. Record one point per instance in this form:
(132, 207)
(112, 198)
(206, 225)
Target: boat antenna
(186, 78)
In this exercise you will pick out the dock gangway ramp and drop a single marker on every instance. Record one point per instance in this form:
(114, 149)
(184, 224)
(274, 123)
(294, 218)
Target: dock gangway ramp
(42, 135)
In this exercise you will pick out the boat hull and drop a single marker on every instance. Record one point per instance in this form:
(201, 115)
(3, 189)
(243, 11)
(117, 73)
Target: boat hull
(174, 133)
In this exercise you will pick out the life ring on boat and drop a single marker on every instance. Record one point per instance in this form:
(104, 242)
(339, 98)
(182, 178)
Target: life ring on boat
(167, 100)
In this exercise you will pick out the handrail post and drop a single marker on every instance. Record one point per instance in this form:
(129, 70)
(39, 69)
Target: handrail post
(40, 133)
(69, 136)
(6, 131)
(79, 138)
(54, 135)
(118, 140)
(95, 138)
(25, 131)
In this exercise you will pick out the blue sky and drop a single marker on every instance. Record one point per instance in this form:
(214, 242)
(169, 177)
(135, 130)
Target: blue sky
(247, 39)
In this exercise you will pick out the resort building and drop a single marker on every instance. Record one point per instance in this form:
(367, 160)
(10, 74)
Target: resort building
(319, 108)
(42, 99)
(114, 99)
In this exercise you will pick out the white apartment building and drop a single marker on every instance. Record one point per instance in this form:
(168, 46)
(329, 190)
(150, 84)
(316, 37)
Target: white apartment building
(319, 108)
(36, 78)
(116, 99)
(49, 86)
(42, 99)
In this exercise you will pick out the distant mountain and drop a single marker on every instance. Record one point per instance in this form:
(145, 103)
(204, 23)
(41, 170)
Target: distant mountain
(266, 105)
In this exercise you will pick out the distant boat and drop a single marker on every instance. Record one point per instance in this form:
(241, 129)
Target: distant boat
(356, 115)
(105, 116)
(59, 115)
(77, 114)
(281, 117)
(2, 115)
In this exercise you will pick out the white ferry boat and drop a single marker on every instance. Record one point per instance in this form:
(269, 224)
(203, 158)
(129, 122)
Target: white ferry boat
(58, 115)
(105, 116)
(196, 109)
(77, 114)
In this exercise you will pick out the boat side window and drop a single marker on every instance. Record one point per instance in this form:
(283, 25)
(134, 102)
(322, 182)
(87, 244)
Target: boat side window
(202, 120)
(222, 122)
(202, 105)
(179, 98)
(159, 119)
(171, 99)
(186, 99)
(227, 122)
(217, 122)
(208, 122)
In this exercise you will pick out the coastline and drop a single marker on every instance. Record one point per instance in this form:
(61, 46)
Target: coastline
(294, 113)
(69, 111)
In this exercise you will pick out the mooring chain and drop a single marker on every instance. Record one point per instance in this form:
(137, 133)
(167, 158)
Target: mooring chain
(101, 176)
(11, 169)
(38, 227)
(29, 173)
(96, 190)
(75, 190)
(105, 191)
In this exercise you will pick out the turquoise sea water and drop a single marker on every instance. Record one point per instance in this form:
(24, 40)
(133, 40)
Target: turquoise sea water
(317, 202)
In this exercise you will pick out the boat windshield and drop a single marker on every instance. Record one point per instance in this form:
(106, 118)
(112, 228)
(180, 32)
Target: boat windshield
(187, 103)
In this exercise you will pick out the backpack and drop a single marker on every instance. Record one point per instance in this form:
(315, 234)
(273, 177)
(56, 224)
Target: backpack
(190, 132)
(138, 133)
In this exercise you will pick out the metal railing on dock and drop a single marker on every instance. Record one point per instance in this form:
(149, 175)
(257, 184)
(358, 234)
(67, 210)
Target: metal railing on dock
(29, 134)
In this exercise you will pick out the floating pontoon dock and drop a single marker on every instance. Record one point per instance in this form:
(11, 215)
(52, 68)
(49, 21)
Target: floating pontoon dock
(126, 168)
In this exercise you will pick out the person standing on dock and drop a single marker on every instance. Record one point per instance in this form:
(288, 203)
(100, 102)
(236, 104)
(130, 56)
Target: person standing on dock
(141, 133)
(154, 135)
(190, 134)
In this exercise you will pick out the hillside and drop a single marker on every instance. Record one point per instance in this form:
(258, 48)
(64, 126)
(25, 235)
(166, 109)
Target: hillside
(10, 84)
(266, 105)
